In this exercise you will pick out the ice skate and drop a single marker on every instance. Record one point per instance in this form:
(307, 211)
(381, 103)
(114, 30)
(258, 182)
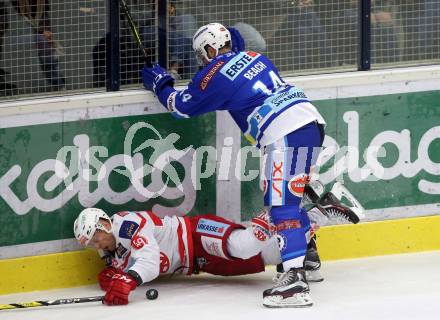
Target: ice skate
(332, 207)
(291, 290)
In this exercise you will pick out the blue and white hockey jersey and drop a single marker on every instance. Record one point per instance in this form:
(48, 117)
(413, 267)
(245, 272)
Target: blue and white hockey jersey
(248, 85)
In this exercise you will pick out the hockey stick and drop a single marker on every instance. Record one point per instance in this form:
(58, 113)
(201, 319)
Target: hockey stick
(46, 303)
(135, 32)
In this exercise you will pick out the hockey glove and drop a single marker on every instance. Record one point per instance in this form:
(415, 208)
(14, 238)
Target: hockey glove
(105, 277)
(237, 40)
(156, 78)
(120, 287)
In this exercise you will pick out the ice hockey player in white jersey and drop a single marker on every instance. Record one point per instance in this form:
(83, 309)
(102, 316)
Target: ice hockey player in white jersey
(138, 246)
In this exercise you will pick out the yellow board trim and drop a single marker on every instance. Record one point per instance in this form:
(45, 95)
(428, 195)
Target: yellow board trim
(379, 238)
(78, 268)
(60, 270)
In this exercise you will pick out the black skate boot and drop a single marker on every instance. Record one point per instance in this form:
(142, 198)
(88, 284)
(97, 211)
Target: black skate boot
(331, 207)
(291, 290)
(312, 263)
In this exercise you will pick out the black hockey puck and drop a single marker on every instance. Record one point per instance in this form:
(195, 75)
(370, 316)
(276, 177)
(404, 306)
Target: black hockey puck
(151, 294)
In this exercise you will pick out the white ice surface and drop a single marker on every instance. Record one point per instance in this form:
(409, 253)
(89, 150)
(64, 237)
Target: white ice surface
(391, 287)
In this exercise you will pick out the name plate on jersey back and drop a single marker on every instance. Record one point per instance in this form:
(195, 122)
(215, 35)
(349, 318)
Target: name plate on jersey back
(238, 64)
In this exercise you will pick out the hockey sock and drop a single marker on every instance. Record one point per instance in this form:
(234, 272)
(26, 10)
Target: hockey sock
(305, 223)
(290, 234)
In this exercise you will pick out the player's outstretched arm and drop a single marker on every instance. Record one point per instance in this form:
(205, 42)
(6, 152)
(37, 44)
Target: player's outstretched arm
(205, 93)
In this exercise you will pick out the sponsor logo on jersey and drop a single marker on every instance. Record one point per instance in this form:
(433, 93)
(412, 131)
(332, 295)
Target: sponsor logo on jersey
(260, 233)
(211, 73)
(255, 70)
(260, 226)
(288, 224)
(277, 183)
(120, 251)
(282, 241)
(212, 227)
(128, 228)
(164, 263)
(238, 64)
(138, 242)
(287, 97)
(297, 183)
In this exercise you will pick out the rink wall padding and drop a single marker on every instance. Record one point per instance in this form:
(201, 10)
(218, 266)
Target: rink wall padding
(334, 242)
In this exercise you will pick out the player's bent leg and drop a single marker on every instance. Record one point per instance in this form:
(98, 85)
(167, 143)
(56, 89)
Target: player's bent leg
(243, 244)
(249, 242)
(211, 253)
(270, 253)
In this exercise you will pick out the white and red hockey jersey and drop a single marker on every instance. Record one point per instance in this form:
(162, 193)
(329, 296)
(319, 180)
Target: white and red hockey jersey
(150, 245)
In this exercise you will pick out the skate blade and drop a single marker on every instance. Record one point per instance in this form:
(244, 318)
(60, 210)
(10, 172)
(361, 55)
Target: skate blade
(299, 300)
(340, 191)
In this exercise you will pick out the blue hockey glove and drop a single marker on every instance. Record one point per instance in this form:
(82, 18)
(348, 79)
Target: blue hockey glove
(156, 78)
(237, 40)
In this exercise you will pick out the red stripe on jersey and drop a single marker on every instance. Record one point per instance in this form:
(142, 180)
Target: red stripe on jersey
(123, 213)
(190, 244)
(181, 244)
(156, 220)
(143, 222)
(124, 265)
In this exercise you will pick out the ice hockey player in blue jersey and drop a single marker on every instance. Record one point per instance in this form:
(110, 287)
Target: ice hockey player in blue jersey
(276, 117)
